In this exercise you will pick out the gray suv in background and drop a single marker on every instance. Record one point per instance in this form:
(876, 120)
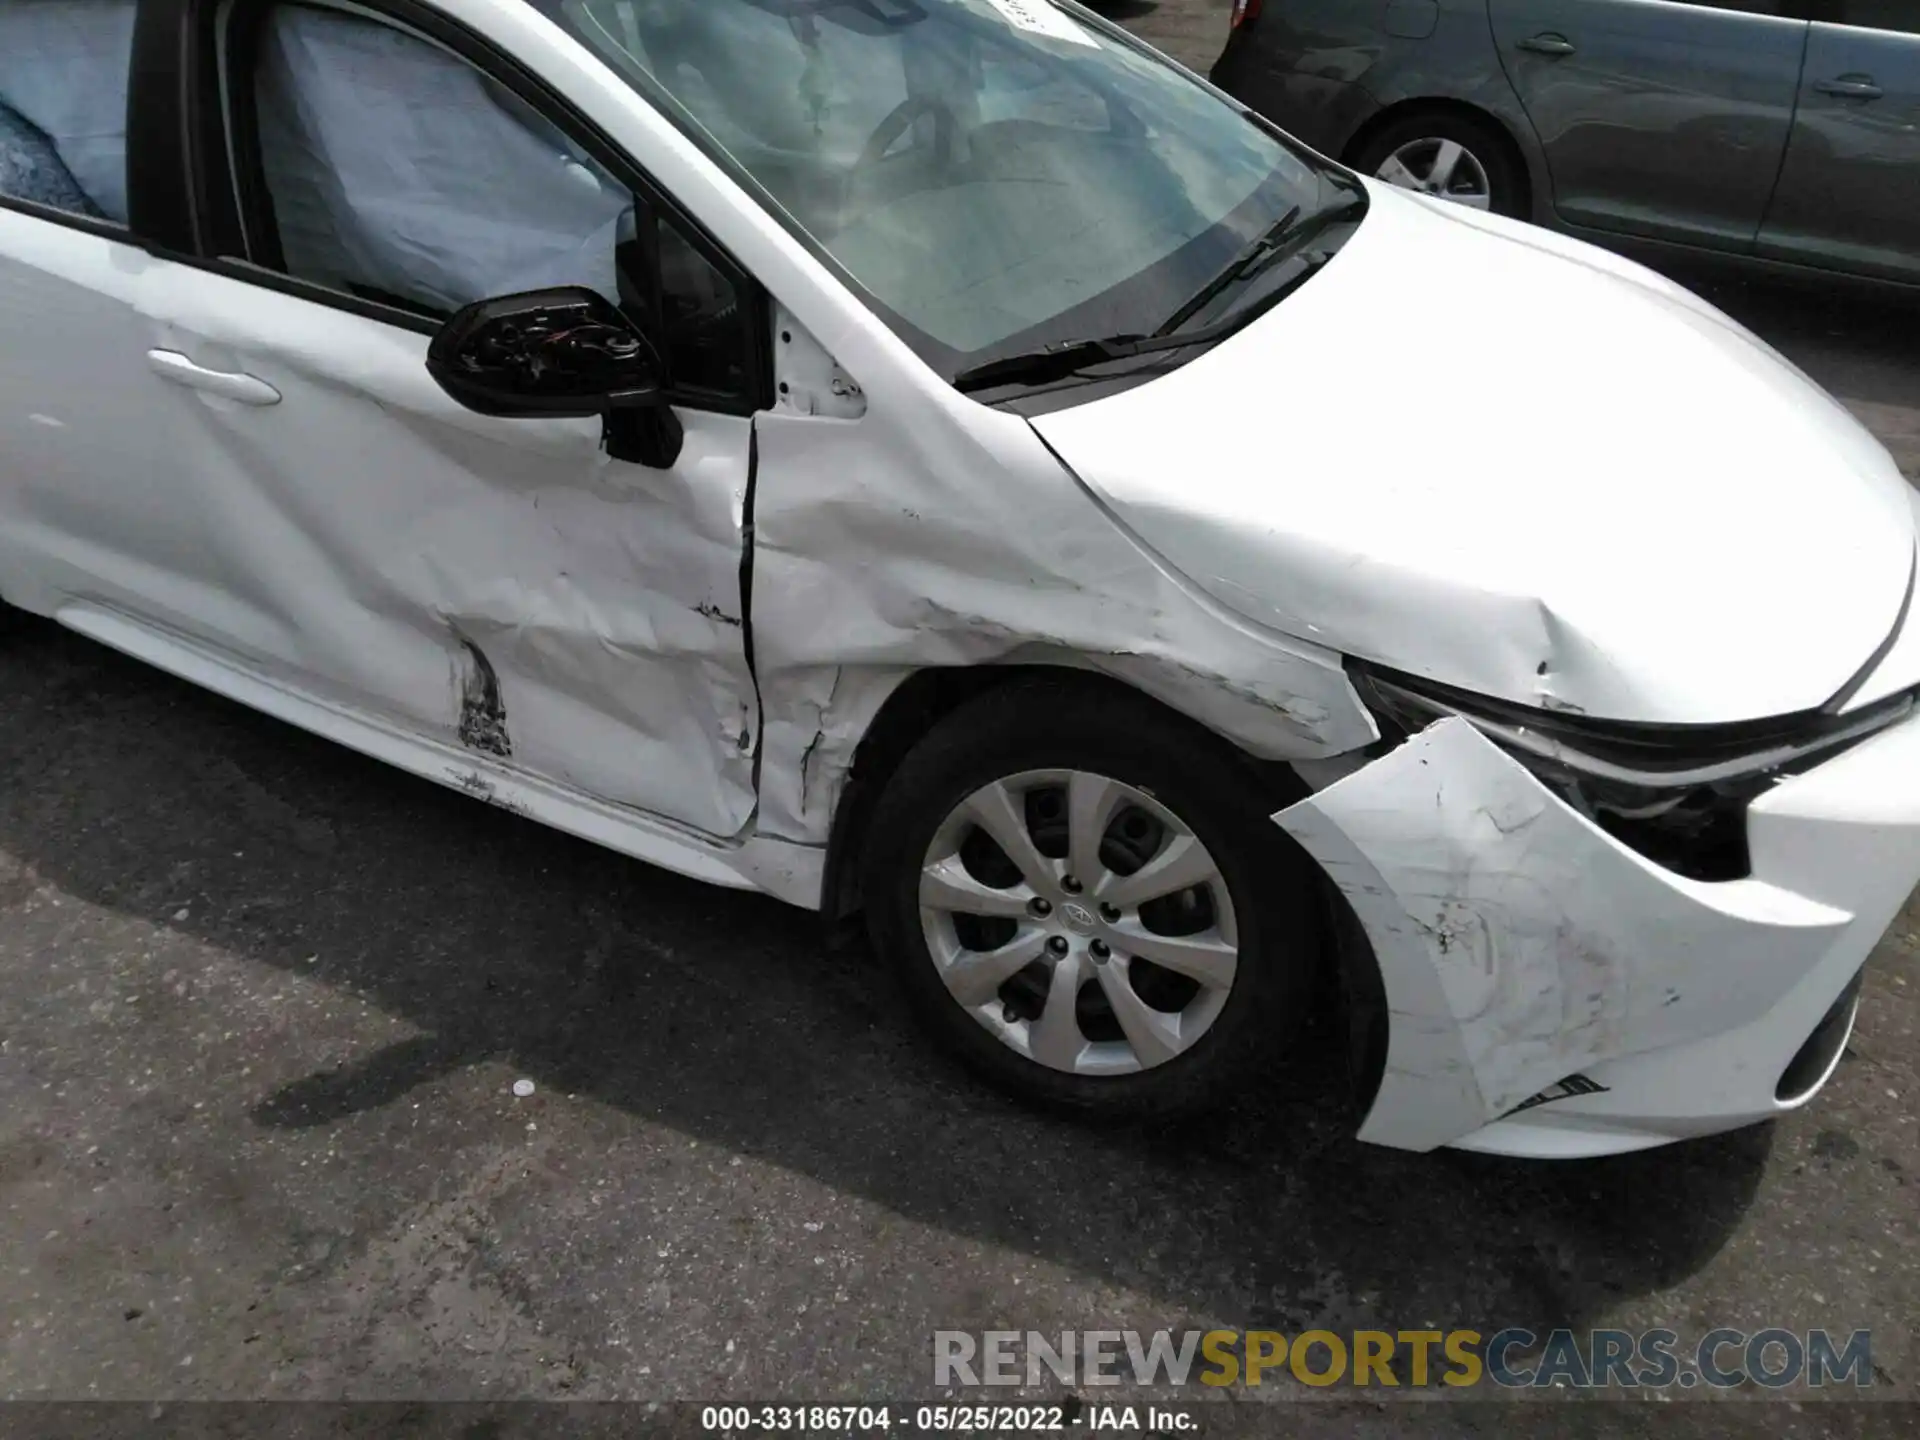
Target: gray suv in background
(1784, 131)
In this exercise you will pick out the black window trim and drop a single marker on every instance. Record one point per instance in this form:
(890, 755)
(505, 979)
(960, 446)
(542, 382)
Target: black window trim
(198, 177)
(87, 224)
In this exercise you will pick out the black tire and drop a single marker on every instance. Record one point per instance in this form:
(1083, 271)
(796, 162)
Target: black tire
(1507, 188)
(1068, 724)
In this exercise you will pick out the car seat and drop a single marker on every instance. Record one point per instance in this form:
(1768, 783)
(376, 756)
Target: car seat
(65, 67)
(31, 169)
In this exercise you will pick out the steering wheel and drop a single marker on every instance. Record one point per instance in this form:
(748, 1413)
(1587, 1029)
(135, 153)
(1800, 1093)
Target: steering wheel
(903, 115)
(898, 121)
(1122, 123)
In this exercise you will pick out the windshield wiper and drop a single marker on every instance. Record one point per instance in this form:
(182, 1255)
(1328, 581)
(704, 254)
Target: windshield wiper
(1263, 245)
(1264, 251)
(1058, 362)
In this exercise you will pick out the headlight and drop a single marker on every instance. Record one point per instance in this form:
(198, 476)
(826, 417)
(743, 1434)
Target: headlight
(1677, 794)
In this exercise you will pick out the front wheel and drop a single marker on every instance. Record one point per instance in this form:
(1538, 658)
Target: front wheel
(1086, 900)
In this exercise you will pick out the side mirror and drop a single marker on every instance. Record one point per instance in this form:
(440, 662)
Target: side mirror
(559, 353)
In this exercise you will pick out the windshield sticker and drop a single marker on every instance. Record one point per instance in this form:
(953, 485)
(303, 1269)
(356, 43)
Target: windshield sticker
(1041, 18)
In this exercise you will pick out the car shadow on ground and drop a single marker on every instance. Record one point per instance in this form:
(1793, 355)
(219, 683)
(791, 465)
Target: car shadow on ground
(728, 1019)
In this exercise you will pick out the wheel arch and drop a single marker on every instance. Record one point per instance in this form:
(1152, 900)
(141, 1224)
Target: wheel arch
(928, 696)
(1523, 156)
(1349, 985)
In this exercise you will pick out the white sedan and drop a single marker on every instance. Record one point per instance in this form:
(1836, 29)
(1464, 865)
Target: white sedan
(940, 459)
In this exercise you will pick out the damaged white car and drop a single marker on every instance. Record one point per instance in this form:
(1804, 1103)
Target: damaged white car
(940, 458)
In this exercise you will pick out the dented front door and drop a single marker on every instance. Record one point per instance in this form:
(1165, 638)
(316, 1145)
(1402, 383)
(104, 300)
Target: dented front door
(499, 586)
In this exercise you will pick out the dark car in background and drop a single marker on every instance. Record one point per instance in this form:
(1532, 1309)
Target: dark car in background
(1783, 131)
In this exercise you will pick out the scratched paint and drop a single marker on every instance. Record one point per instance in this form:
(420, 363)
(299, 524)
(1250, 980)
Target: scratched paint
(1518, 943)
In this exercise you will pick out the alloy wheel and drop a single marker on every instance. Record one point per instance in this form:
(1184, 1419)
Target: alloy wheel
(1445, 169)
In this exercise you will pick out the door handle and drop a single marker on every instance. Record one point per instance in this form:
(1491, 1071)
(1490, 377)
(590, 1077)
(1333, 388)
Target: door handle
(172, 365)
(1548, 45)
(1853, 87)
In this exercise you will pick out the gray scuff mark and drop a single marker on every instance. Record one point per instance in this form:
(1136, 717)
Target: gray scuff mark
(811, 746)
(483, 715)
(472, 782)
(1595, 951)
(836, 759)
(1511, 823)
(806, 764)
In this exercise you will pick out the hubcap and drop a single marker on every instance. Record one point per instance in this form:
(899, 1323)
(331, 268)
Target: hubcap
(1443, 168)
(1079, 921)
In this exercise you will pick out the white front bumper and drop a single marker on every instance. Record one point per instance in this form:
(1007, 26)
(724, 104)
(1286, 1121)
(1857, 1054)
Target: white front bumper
(1519, 944)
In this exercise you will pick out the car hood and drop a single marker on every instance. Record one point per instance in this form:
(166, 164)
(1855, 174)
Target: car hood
(1511, 462)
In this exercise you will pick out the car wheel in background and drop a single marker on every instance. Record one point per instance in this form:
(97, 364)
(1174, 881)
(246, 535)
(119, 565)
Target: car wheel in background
(1086, 900)
(1450, 156)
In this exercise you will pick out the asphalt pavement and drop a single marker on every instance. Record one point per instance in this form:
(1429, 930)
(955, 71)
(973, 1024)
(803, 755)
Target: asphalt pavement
(265, 1007)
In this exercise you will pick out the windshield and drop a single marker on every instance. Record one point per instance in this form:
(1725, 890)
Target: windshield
(994, 175)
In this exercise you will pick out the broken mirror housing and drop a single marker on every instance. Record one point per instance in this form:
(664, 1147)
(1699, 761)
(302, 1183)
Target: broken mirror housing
(1676, 794)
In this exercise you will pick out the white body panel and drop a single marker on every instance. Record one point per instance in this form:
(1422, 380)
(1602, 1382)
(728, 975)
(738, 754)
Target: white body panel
(1520, 944)
(1465, 449)
(1456, 453)
(954, 538)
(786, 872)
(369, 538)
